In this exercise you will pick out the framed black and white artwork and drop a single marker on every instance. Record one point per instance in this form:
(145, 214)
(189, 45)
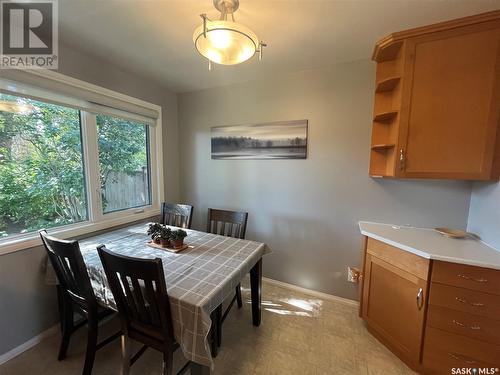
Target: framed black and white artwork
(273, 140)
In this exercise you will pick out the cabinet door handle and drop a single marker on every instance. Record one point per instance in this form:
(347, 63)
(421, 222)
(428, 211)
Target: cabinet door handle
(480, 280)
(462, 300)
(419, 298)
(401, 159)
(461, 358)
(474, 327)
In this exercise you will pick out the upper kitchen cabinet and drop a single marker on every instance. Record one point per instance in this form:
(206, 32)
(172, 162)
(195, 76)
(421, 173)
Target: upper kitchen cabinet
(437, 101)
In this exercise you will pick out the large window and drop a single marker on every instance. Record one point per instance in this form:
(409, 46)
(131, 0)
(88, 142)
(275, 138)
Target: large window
(42, 180)
(123, 161)
(74, 166)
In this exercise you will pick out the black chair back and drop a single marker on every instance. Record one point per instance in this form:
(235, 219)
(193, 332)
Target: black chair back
(227, 223)
(70, 269)
(178, 215)
(138, 286)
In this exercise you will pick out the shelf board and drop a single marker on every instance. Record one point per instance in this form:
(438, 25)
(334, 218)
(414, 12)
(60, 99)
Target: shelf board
(387, 84)
(383, 146)
(387, 49)
(385, 117)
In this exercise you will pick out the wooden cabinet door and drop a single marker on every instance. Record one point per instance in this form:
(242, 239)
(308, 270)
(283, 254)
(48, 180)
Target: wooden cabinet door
(394, 302)
(450, 119)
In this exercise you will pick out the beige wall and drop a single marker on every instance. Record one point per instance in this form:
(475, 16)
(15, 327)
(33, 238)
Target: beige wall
(27, 305)
(306, 210)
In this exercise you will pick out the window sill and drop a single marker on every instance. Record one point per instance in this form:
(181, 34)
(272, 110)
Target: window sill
(30, 240)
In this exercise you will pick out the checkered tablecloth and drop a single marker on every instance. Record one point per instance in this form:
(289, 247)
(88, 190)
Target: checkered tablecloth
(198, 279)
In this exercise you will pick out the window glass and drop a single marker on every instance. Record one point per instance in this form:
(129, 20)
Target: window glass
(124, 164)
(42, 181)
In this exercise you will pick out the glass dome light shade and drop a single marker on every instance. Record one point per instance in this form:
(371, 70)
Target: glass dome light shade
(226, 43)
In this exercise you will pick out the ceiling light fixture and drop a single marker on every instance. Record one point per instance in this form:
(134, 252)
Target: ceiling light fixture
(226, 42)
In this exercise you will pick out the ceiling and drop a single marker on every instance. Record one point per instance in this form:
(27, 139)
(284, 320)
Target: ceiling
(154, 38)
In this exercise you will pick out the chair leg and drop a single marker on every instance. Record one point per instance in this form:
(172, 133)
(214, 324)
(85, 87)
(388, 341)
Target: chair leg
(215, 333)
(60, 306)
(91, 346)
(125, 370)
(219, 326)
(238, 296)
(67, 327)
(168, 360)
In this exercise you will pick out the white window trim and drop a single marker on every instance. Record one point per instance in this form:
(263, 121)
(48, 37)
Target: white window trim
(100, 221)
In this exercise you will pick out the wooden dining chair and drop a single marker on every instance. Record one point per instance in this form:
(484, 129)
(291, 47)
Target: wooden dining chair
(76, 295)
(140, 293)
(177, 215)
(230, 224)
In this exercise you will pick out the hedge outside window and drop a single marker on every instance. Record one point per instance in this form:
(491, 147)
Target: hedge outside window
(43, 168)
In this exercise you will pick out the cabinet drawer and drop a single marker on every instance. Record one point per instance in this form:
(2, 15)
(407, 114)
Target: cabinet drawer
(473, 326)
(466, 300)
(469, 277)
(444, 350)
(402, 259)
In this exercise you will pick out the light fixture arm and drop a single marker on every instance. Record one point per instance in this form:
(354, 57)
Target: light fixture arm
(205, 19)
(261, 47)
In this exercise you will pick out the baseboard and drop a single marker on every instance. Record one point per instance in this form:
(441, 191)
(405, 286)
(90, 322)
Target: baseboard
(28, 344)
(326, 296)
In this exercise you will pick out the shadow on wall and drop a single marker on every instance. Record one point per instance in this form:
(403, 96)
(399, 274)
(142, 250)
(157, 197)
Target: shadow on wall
(306, 252)
(25, 298)
(418, 202)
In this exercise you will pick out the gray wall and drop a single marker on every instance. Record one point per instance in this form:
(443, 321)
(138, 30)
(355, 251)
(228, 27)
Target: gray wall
(93, 70)
(27, 305)
(306, 210)
(484, 212)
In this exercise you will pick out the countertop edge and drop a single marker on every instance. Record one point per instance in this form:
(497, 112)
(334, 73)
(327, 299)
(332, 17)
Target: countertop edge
(409, 249)
(426, 255)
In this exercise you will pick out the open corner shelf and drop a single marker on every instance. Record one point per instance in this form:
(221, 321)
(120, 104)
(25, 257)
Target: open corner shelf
(385, 117)
(387, 84)
(383, 146)
(387, 49)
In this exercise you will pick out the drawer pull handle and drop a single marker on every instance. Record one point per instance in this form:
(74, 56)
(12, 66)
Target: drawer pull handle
(474, 327)
(419, 298)
(477, 304)
(480, 280)
(461, 358)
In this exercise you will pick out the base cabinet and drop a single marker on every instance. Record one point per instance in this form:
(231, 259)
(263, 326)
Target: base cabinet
(394, 300)
(444, 351)
(435, 316)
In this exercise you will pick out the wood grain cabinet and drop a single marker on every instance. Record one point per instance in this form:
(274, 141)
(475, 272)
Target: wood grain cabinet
(437, 101)
(394, 298)
(463, 321)
(433, 315)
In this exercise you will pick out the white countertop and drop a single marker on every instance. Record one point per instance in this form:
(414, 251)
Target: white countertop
(430, 244)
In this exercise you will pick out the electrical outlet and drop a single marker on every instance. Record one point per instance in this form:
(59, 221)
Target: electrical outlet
(353, 274)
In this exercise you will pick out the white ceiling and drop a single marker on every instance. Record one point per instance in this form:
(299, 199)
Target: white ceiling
(154, 38)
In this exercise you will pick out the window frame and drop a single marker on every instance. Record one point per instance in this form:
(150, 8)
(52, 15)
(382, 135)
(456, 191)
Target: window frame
(97, 219)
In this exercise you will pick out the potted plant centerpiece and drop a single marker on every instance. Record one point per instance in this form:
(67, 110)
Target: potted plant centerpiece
(165, 234)
(177, 238)
(154, 232)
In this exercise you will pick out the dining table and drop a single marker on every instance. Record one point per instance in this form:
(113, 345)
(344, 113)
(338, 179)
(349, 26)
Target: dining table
(198, 280)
